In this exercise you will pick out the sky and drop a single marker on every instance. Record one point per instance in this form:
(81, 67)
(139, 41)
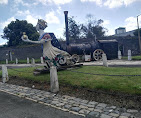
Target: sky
(114, 13)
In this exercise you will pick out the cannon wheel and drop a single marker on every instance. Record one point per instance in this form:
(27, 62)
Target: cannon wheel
(97, 54)
(75, 57)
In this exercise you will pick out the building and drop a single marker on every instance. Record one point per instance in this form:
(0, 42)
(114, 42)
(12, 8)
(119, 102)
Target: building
(121, 31)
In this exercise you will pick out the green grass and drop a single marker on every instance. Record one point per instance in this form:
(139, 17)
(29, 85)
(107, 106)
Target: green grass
(131, 84)
(133, 57)
(20, 61)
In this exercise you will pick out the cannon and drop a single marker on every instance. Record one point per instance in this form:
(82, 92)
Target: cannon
(95, 49)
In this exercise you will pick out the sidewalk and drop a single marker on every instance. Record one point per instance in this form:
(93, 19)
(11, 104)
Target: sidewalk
(114, 63)
(90, 109)
(96, 63)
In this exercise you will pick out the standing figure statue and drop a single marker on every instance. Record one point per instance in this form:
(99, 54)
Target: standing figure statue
(52, 55)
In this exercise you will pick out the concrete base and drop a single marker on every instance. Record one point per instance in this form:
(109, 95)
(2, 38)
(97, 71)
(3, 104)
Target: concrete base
(104, 58)
(5, 77)
(54, 85)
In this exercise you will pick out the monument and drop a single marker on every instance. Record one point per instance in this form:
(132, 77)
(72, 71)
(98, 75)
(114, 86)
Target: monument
(52, 56)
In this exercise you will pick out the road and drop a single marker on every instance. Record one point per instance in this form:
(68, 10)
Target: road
(15, 107)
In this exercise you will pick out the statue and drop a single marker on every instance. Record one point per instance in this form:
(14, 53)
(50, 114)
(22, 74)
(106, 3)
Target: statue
(52, 55)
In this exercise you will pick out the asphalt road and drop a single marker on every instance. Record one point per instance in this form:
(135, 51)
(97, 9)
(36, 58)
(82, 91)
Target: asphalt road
(15, 107)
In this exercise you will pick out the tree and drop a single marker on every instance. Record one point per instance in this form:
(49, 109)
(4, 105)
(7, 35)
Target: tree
(73, 29)
(92, 28)
(15, 29)
(136, 32)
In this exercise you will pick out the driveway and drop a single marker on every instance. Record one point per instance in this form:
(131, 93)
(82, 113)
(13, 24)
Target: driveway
(15, 107)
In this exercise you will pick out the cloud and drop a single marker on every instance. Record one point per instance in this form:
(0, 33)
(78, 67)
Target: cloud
(110, 32)
(98, 2)
(17, 2)
(5, 23)
(112, 3)
(57, 2)
(59, 10)
(118, 3)
(3, 43)
(32, 19)
(131, 23)
(23, 13)
(106, 22)
(3, 1)
(51, 18)
(61, 1)
(128, 2)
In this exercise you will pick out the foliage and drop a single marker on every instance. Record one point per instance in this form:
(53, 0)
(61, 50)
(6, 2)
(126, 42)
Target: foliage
(136, 32)
(73, 29)
(14, 30)
(93, 28)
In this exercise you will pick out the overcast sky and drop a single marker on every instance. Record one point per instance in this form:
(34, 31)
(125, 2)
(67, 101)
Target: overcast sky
(115, 13)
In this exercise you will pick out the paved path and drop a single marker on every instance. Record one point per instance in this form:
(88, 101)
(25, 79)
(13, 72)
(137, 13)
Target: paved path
(115, 63)
(97, 63)
(90, 109)
(15, 107)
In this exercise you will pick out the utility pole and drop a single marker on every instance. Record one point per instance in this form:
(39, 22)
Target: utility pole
(139, 33)
(66, 24)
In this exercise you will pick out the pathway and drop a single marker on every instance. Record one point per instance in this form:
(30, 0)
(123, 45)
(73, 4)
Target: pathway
(90, 109)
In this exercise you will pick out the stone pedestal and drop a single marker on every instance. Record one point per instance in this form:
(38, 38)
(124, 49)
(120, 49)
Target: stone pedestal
(5, 77)
(16, 61)
(104, 58)
(54, 85)
(27, 60)
(129, 55)
(42, 61)
(119, 54)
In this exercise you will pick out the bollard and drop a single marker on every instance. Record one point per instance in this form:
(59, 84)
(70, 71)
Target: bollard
(42, 61)
(119, 54)
(16, 61)
(104, 58)
(5, 77)
(27, 60)
(54, 85)
(6, 61)
(33, 62)
(129, 55)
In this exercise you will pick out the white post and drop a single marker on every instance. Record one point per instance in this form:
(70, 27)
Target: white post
(5, 77)
(119, 54)
(6, 61)
(27, 60)
(42, 61)
(16, 61)
(104, 58)
(10, 56)
(129, 55)
(33, 62)
(54, 85)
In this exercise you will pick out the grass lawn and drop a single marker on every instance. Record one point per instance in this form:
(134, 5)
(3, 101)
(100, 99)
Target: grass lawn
(20, 61)
(133, 57)
(130, 84)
